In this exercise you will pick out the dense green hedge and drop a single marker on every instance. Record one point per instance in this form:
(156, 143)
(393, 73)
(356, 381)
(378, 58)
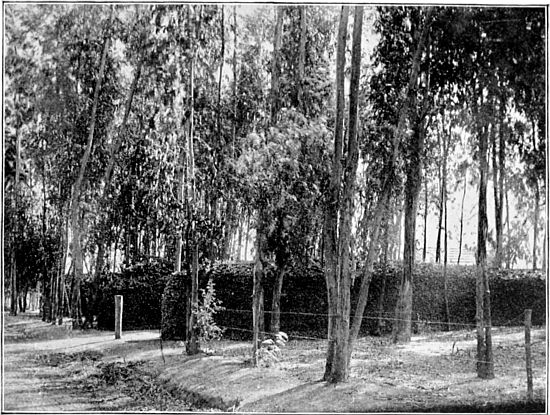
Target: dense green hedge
(174, 304)
(304, 291)
(141, 286)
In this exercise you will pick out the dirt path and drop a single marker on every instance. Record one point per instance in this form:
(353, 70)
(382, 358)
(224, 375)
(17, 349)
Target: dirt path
(48, 368)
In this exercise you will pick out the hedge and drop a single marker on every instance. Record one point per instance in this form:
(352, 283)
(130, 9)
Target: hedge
(141, 285)
(151, 290)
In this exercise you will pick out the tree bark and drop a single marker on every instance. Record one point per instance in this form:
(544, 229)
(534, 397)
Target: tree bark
(330, 230)
(258, 291)
(425, 236)
(497, 193)
(485, 366)
(302, 59)
(343, 343)
(275, 64)
(403, 310)
(77, 190)
(537, 201)
(461, 232)
(192, 344)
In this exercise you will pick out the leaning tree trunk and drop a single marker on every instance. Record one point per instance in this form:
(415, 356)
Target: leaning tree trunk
(485, 366)
(384, 198)
(330, 230)
(75, 199)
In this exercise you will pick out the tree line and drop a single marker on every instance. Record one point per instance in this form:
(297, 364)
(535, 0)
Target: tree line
(181, 132)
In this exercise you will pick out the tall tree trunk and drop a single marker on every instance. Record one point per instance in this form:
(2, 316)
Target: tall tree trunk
(425, 236)
(497, 194)
(16, 227)
(75, 200)
(330, 230)
(342, 341)
(275, 64)
(461, 232)
(485, 366)
(403, 310)
(440, 212)
(260, 232)
(302, 59)
(192, 344)
(508, 229)
(384, 198)
(445, 235)
(536, 224)
(234, 118)
(537, 199)
(258, 290)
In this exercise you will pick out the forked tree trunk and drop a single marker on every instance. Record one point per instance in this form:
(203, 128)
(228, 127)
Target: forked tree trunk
(330, 231)
(75, 199)
(343, 338)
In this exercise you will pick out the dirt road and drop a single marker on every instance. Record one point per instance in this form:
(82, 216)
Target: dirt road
(48, 368)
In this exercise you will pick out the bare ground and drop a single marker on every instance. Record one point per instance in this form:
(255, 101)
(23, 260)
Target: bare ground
(48, 368)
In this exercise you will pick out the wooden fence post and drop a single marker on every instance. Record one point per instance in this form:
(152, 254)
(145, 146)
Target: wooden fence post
(528, 354)
(118, 316)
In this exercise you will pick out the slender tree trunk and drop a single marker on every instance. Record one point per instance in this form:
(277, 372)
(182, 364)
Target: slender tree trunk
(277, 288)
(536, 224)
(331, 211)
(403, 310)
(446, 139)
(302, 59)
(485, 366)
(234, 118)
(425, 236)
(77, 190)
(497, 171)
(275, 64)
(192, 344)
(440, 214)
(508, 230)
(461, 232)
(258, 290)
(387, 187)
(343, 341)
(16, 233)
